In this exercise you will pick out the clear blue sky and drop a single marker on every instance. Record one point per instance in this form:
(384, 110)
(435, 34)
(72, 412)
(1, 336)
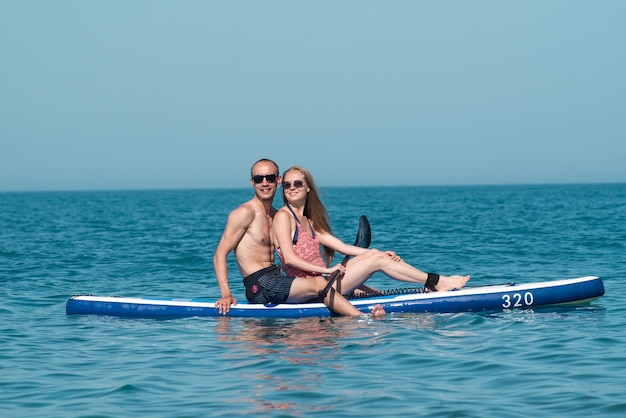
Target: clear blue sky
(188, 94)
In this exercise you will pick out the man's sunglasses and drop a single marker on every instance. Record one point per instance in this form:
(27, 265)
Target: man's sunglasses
(271, 178)
(297, 184)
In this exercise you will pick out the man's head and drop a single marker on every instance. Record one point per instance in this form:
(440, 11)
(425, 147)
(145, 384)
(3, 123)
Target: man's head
(265, 177)
(263, 161)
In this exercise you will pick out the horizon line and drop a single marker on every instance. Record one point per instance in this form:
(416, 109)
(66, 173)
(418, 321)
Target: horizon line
(171, 189)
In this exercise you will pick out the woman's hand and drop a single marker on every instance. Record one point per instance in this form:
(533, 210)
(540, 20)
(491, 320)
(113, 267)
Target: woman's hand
(337, 267)
(393, 256)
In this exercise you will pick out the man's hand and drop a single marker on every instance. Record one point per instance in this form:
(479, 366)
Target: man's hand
(223, 304)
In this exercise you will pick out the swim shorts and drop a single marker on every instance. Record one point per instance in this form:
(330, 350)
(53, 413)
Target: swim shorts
(268, 286)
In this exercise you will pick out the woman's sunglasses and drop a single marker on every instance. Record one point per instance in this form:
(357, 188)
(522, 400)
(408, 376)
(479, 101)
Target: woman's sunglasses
(258, 179)
(297, 184)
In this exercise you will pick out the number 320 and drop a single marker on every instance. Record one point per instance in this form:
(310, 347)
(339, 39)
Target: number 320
(517, 300)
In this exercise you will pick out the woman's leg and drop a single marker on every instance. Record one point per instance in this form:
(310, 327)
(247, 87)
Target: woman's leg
(363, 266)
(305, 289)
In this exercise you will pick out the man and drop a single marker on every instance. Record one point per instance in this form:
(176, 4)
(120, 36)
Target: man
(247, 233)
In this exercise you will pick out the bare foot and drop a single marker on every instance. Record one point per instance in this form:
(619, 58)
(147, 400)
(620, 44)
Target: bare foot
(378, 311)
(451, 282)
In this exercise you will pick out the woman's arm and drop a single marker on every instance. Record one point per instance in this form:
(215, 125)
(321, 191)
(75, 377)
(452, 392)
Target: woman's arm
(338, 245)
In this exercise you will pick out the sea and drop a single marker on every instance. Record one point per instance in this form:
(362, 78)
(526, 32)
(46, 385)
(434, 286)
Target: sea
(557, 362)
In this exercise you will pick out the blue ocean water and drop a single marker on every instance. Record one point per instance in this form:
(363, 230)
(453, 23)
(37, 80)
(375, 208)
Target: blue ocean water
(552, 362)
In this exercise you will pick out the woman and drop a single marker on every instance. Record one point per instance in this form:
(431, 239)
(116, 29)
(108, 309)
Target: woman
(302, 224)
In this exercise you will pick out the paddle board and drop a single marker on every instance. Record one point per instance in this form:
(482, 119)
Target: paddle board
(580, 290)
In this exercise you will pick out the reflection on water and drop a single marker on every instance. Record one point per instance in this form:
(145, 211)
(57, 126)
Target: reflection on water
(292, 357)
(300, 341)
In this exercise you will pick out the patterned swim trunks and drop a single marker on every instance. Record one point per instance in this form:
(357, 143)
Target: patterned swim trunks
(268, 286)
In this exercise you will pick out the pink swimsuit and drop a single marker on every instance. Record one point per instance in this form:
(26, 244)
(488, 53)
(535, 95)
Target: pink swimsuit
(307, 247)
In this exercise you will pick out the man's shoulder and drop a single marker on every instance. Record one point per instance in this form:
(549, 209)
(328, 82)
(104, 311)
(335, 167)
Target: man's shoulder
(244, 211)
(245, 206)
(249, 210)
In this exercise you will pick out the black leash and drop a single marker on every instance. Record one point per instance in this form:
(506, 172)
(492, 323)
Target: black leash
(363, 240)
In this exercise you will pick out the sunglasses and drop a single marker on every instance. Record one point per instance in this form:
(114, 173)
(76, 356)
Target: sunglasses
(297, 184)
(271, 178)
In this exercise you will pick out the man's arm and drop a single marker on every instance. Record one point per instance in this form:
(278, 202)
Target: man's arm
(238, 222)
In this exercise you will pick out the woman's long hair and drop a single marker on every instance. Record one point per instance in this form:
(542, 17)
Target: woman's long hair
(314, 209)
